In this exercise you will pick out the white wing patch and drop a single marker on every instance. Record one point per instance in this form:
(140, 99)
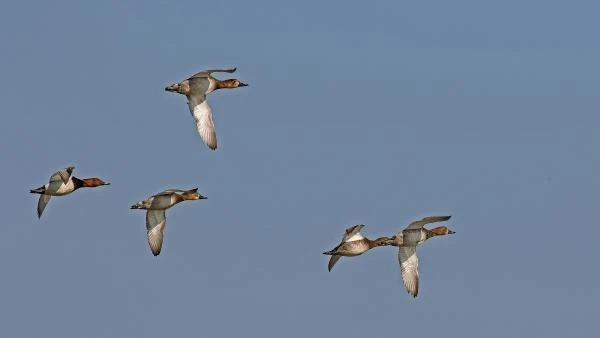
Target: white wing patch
(204, 122)
(409, 268)
(356, 237)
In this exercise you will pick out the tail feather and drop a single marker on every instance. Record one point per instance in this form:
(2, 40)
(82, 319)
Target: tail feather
(39, 190)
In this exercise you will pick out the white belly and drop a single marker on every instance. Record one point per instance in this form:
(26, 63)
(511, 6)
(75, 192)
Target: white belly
(63, 189)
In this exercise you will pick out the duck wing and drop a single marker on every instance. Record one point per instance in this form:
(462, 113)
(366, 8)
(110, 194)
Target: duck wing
(169, 192)
(42, 202)
(353, 233)
(155, 225)
(431, 219)
(332, 261)
(59, 178)
(63, 175)
(207, 72)
(409, 268)
(202, 114)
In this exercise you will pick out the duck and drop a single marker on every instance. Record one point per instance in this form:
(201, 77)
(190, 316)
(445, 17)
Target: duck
(407, 241)
(196, 88)
(353, 244)
(155, 207)
(63, 183)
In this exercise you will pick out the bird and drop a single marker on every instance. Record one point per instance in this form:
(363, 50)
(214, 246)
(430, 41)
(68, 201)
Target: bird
(196, 88)
(63, 183)
(353, 244)
(155, 207)
(407, 241)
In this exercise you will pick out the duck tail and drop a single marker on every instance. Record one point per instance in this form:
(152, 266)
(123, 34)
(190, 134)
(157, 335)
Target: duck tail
(39, 190)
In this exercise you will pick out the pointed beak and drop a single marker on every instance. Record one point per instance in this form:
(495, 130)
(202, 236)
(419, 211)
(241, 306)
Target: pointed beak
(243, 85)
(202, 197)
(450, 232)
(106, 183)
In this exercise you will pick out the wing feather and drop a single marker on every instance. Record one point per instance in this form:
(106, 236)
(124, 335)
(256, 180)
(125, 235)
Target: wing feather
(62, 175)
(409, 268)
(332, 261)
(202, 114)
(207, 72)
(42, 202)
(352, 233)
(422, 222)
(155, 225)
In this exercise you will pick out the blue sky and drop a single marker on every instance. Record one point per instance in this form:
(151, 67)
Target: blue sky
(363, 112)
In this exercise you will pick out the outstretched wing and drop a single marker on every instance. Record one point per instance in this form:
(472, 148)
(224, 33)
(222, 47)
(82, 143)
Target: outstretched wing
(59, 178)
(169, 192)
(204, 122)
(332, 261)
(62, 175)
(42, 202)
(409, 268)
(155, 225)
(431, 219)
(352, 233)
(207, 72)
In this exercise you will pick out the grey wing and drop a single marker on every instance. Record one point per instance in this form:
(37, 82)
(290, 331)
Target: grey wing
(351, 231)
(169, 191)
(62, 175)
(59, 178)
(155, 225)
(332, 261)
(409, 268)
(207, 72)
(42, 202)
(205, 125)
(431, 219)
(202, 114)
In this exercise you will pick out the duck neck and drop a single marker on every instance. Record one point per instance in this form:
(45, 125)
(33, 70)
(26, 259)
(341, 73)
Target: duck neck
(87, 182)
(186, 197)
(381, 241)
(229, 83)
(178, 198)
(78, 183)
(439, 231)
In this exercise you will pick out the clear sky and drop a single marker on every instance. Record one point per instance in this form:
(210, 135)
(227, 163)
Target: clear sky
(356, 112)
